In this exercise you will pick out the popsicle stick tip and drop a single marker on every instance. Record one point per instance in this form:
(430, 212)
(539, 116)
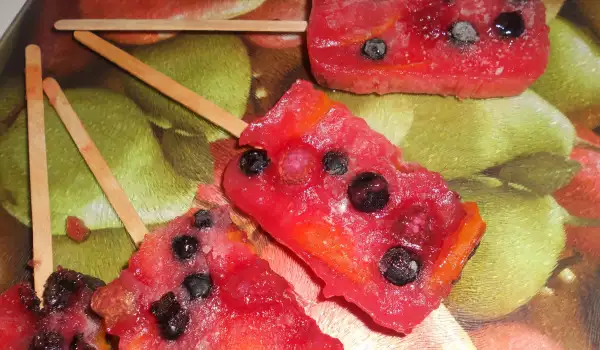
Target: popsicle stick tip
(49, 81)
(78, 34)
(33, 50)
(60, 24)
(51, 87)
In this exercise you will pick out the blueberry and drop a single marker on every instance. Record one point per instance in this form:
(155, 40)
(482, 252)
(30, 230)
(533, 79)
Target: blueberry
(203, 219)
(254, 162)
(47, 341)
(463, 33)
(509, 24)
(92, 283)
(172, 319)
(335, 163)
(79, 344)
(166, 307)
(374, 49)
(398, 266)
(184, 247)
(174, 327)
(368, 192)
(59, 288)
(198, 285)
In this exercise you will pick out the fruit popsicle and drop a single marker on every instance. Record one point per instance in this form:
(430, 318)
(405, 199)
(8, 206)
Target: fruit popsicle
(464, 48)
(65, 321)
(386, 235)
(197, 283)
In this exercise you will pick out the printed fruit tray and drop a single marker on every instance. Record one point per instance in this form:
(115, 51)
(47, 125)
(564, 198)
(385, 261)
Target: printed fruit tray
(531, 162)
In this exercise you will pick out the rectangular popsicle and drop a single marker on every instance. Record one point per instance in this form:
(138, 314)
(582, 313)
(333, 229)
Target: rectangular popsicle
(386, 235)
(464, 48)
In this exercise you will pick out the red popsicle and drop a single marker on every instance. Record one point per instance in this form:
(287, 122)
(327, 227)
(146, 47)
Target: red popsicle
(386, 235)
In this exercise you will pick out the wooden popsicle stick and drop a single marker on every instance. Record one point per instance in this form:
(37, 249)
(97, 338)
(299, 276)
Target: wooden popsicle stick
(163, 83)
(38, 170)
(109, 184)
(227, 25)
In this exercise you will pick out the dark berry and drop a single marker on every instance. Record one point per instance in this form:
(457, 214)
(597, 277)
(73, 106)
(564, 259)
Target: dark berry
(203, 219)
(172, 319)
(398, 266)
(368, 192)
(254, 161)
(29, 299)
(175, 326)
(335, 163)
(184, 247)
(509, 24)
(463, 33)
(165, 308)
(60, 286)
(47, 341)
(79, 344)
(93, 283)
(374, 49)
(198, 285)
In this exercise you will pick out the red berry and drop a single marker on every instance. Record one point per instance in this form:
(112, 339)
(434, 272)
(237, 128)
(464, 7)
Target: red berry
(76, 229)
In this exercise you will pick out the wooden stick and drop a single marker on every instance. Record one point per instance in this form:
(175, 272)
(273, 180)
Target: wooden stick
(38, 170)
(227, 25)
(109, 184)
(163, 83)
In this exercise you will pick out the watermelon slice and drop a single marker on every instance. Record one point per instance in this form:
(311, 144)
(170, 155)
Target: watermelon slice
(19, 313)
(466, 48)
(386, 235)
(197, 284)
(65, 322)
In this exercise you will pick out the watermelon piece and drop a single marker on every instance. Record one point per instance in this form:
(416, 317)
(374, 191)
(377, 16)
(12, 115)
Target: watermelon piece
(386, 235)
(76, 229)
(466, 48)
(65, 322)
(197, 283)
(19, 313)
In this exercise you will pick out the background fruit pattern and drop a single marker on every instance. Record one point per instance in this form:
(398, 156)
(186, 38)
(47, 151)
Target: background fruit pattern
(532, 162)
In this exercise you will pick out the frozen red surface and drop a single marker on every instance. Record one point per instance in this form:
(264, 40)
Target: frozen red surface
(309, 211)
(248, 306)
(17, 322)
(420, 56)
(66, 312)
